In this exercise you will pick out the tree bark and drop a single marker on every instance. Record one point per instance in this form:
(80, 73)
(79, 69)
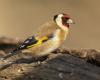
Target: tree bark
(62, 64)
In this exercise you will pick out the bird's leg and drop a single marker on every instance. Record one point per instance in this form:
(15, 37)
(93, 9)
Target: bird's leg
(39, 60)
(42, 58)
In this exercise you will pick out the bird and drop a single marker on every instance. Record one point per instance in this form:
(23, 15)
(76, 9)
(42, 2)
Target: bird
(47, 38)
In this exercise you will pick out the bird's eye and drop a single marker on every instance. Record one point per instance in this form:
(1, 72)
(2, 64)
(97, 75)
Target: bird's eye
(64, 19)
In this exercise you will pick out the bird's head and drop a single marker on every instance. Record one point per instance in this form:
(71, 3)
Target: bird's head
(63, 20)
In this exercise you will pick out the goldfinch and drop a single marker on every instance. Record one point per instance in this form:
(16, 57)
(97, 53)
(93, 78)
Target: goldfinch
(48, 38)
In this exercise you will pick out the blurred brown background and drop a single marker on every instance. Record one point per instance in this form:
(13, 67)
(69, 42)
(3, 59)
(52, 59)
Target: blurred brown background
(20, 18)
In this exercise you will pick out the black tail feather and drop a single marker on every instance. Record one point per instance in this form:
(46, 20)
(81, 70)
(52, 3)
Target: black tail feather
(9, 55)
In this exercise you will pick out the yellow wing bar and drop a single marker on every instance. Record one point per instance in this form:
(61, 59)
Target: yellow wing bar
(39, 41)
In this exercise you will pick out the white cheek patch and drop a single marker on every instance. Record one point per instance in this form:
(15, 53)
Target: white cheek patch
(59, 20)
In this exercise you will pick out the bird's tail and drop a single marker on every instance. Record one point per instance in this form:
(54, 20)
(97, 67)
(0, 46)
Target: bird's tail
(7, 56)
(14, 52)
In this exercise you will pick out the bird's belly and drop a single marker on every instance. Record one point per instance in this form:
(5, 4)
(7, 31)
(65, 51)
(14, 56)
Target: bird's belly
(46, 47)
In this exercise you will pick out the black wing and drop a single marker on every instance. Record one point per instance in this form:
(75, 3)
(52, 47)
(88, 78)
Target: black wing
(28, 42)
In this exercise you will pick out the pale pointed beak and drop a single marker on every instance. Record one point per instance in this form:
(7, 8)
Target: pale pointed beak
(70, 21)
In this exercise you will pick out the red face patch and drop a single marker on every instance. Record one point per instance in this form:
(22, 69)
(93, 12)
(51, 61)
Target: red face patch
(64, 21)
